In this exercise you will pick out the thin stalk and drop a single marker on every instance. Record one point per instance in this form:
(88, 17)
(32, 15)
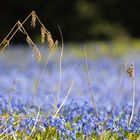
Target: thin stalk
(9, 33)
(89, 83)
(40, 77)
(60, 67)
(17, 28)
(133, 95)
(69, 91)
(41, 22)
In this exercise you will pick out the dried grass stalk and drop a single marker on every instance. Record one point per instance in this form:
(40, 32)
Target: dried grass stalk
(35, 50)
(33, 20)
(20, 27)
(5, 43)
(28, 40)
(43, 32)
(51, 44)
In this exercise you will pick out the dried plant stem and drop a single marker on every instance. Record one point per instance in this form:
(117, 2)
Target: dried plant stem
(35, 50)
(27, 17)
(40, 77)
(7, 38)
(89, 83)
(69, 91)
(20, 25)
(15, 27)
(9, 33)
(60, 68)
(133, 95)
(41, 23)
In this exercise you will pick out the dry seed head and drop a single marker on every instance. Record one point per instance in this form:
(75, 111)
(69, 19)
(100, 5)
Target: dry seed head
(43, 32)
(33, 20)
(36, 52)
(130, 71)
(51, 44)
(29, 41)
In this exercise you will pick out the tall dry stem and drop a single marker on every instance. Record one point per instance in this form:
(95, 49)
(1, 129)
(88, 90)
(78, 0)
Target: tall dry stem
(40, 77)
(69, 91)
(89, 83)
(131, 72)
(60, 67)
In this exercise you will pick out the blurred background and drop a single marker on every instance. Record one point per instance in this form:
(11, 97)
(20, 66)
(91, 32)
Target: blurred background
(109, 29)
(80, 20)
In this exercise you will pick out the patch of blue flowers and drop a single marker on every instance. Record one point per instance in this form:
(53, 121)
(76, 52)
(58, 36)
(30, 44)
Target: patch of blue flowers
(77, 119)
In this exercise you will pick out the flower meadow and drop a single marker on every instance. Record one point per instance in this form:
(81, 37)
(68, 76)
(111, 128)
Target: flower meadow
(52, 94)
(24, 117)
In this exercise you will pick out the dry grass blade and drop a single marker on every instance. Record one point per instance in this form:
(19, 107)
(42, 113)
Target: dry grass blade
(33, 20)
